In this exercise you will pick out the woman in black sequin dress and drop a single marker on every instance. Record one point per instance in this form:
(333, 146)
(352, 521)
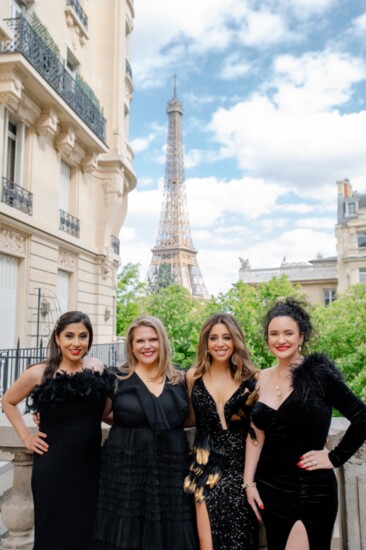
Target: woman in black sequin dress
(222, 387)
(296, 487)
(69, 391)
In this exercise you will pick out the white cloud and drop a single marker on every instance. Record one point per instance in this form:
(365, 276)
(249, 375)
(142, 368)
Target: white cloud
(263, 28)
(315, 223)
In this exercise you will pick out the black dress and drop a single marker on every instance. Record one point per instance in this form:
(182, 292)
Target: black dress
(301, 424)
(141, 504)
(65, 479)
(216, 472)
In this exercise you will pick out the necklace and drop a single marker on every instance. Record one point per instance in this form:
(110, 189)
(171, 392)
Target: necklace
(278, 385)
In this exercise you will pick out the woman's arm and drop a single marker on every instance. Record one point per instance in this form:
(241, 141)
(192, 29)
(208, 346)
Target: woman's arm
(15, 394)
(252, 454)
(190, 421)
(108, 413)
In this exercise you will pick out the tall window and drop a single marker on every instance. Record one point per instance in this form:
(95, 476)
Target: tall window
(362, 274)
(65, 187)
(13, 151)
(8, 300)
(361, 239)
(329, 295)
(63, 289)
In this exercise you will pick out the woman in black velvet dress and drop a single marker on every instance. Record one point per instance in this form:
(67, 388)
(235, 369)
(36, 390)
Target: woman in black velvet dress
(141, 504)
(222, 387)
(69, 391)
(295, 486)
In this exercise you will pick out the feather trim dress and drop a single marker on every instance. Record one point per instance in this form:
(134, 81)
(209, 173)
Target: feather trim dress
(216, 471)
(141, 503)
(299, 425)
(65, 479)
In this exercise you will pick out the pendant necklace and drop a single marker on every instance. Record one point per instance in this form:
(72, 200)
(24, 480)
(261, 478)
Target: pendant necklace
(278, 385)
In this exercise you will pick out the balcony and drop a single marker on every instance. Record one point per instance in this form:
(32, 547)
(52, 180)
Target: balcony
(128, 69)
(16, 196)
(75, 5)
(51, 67)
(69, 224)
(115, 244)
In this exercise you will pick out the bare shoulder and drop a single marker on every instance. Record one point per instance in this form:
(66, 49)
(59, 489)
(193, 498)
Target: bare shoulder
(34, 374)
(93, 363)
(190, 374)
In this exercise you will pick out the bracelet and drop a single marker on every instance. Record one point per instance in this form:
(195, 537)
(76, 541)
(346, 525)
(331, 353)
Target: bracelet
(249, 484)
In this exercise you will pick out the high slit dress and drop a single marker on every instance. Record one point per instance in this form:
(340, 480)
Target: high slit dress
(216, 471)
(142, 505)
(299, 425)
(65, 479)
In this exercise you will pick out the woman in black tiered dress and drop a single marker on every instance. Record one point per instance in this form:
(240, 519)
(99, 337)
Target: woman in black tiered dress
(69, 392)
(141, 504)
(222, 386)
(289, 475)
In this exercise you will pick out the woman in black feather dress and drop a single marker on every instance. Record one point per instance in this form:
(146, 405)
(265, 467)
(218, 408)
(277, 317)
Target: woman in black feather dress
(289, 477)
(70, 392)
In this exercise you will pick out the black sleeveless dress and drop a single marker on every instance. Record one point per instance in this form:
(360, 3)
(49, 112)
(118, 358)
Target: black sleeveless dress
(216, 471)
(141, 504)
(65, 479)
(301, 424)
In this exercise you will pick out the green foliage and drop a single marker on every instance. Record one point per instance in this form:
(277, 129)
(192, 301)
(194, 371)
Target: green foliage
(130, 297)
(339, 327)
(44, 34)
(88, 91)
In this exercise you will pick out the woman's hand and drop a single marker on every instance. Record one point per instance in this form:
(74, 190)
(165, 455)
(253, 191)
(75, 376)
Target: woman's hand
(255, 501)
(315, 460)
(35, 442)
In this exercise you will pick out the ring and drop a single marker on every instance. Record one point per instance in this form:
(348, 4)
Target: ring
(315, 462)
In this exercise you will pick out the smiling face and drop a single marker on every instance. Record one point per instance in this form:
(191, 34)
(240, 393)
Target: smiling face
(220, 343)
(284, 339)
(73, 342)
(145, 346)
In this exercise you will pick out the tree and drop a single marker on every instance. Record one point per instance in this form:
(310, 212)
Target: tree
(130, 296)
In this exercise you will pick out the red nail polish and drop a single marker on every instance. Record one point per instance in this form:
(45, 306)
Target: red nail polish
(301, 457)
(261, 506)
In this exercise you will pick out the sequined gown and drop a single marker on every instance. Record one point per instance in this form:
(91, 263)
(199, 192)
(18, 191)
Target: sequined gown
(141, 503)
(299, 425)
(65, 479)
(219, 481)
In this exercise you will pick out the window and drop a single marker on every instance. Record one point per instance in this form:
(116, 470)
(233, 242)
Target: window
(63, 290)
(350, 209)
(14, 151)
(65, 187)
(361, 239)
(329, 295)
(362, 274)
(8, 300)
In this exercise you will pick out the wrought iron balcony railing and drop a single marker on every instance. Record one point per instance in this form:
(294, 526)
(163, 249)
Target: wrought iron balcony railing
(69, 224)
(16, 196)
(79, 11)
(115, 244)
(51, 67)
(128, 69)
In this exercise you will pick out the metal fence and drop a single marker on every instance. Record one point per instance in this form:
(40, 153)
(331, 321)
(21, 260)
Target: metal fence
(14, 361)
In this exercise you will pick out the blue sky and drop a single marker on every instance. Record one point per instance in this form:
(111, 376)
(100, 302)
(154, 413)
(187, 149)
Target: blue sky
(274, 97)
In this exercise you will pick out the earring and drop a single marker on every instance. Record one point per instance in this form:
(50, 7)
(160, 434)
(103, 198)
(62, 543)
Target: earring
(300, 347)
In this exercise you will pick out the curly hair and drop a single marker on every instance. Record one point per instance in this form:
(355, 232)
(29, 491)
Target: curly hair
(290, 307)
(241, 366)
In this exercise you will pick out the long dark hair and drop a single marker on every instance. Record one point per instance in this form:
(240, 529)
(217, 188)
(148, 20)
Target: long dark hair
(241, 366)
(54, 355)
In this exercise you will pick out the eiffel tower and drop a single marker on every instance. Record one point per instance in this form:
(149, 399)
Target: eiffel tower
(174, 257)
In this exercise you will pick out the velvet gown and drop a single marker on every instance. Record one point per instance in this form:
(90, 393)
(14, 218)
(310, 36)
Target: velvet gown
(299, 425)
(216, 471)
(141, 503)
(65, 479)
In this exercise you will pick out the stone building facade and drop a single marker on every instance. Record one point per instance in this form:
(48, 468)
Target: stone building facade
(321, 279)
(65, 95)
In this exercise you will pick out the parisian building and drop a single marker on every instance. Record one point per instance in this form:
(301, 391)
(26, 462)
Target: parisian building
(322, 278)
(67, 165)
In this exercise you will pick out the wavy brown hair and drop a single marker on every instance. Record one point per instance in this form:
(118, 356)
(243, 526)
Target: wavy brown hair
(241, 367)
(165, 367)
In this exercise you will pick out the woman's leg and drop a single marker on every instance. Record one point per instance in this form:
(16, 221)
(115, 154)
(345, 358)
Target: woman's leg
(298, 537)
(203, 527)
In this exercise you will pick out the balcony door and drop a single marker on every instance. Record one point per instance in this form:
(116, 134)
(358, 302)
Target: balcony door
(8, 300)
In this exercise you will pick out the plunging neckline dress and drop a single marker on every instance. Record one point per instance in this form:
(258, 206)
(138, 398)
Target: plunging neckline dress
(216, 471)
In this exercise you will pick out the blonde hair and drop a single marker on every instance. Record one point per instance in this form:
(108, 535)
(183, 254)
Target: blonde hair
(241, 367)
(165, 367)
